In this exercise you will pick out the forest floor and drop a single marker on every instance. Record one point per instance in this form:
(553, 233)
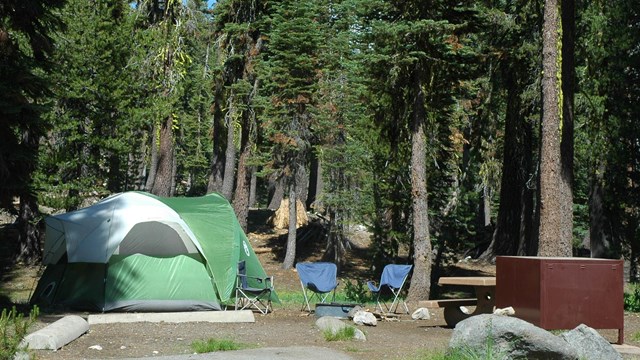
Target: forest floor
(400, 338)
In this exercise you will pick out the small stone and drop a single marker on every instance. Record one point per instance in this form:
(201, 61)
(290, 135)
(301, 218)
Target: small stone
(421, 314)
(95, 347)
(365, 318)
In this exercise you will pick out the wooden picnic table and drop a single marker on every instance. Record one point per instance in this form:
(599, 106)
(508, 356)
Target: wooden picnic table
(485, 290)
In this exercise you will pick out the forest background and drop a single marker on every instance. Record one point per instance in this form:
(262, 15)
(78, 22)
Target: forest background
(481, 128)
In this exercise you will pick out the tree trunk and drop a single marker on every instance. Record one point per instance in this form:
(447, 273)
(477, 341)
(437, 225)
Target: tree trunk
(217, 160)
(336, 241)
(633, 266)
(164, 175)
(230, 153)
(602, 234)
(566, 145)
(290, 255)
(243, 182)
(421, 279)
(252, 190)
(302, 182)
(28, 233)
(514, 218)
(550, 225)
(277, 186)
(314, 179)
(153, 162)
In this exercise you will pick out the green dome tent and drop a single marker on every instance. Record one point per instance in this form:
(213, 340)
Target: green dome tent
(138, 252)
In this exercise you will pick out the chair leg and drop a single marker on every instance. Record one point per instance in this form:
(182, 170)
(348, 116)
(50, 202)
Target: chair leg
(378, 305)
(306, 301)
(244, 301)
(396, 302)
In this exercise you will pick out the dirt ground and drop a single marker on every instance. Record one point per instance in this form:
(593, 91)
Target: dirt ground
(399, 338)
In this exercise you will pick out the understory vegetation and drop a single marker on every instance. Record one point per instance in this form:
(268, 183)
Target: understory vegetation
(212, 345)
(14, 326)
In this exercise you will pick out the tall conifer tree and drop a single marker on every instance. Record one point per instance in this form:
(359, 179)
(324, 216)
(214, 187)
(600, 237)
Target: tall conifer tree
(290, 66)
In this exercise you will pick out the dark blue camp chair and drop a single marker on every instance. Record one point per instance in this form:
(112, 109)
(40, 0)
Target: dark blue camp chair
(393, 278)
(318, 279)
(253, 292)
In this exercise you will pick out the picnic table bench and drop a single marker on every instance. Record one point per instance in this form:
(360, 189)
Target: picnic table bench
(485, 288)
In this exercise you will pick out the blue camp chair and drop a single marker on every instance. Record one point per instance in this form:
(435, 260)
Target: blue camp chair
(393, 279)
(253, 292)
(318, 279)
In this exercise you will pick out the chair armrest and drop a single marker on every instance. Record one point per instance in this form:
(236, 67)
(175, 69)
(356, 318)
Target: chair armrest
(266, 281)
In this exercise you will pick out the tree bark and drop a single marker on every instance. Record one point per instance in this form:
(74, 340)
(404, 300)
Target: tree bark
(217, 160)
(421, 279)
(243, 182)
(276, 183)
(550, 225)
(230, 153)
(153, 162)
(290, 255)
(163, 181)
(603, 235)
(254, 185)
(513, 226)
(314, 179)
(29, 235)
(566, 145)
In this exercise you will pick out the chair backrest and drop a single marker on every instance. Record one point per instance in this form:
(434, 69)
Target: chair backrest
(393, 275)
(322, 275)
(242, 270)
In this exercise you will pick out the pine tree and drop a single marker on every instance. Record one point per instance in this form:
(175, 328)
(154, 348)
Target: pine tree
(89, 144)
(290, 66)
(239, 38)
(418, 57)
(25, 49)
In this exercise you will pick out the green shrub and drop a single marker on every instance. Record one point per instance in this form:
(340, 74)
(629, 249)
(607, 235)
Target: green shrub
(13, 328)
(357, 292)
(344, 334)
(213, 345)
(632, 299)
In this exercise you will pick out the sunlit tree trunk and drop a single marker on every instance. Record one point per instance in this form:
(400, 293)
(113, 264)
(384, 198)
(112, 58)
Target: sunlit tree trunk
(551, 242)
(421, 279)
(566, 145)
(290, 255)
(163, 180)
(230, 153)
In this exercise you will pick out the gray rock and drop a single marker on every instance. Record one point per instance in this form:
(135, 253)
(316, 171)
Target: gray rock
(22, 355)
(365, 318)
(329, 323)
(354, 310)
(57, 334)
(589, 344)
(421, 314)
(509, 338)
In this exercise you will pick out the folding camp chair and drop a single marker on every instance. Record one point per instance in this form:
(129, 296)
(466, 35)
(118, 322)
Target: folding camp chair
(317, 280)
(253, 292)
(393, 279)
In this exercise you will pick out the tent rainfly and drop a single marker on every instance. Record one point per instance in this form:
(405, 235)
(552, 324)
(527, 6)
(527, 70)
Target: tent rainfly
(138, 252)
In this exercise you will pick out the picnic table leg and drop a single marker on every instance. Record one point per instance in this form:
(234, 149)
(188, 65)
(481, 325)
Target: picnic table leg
(486, 299)
(620, 336)
(454, 314)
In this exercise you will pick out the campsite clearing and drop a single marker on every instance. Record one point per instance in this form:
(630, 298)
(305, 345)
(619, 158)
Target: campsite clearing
(286, 326)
